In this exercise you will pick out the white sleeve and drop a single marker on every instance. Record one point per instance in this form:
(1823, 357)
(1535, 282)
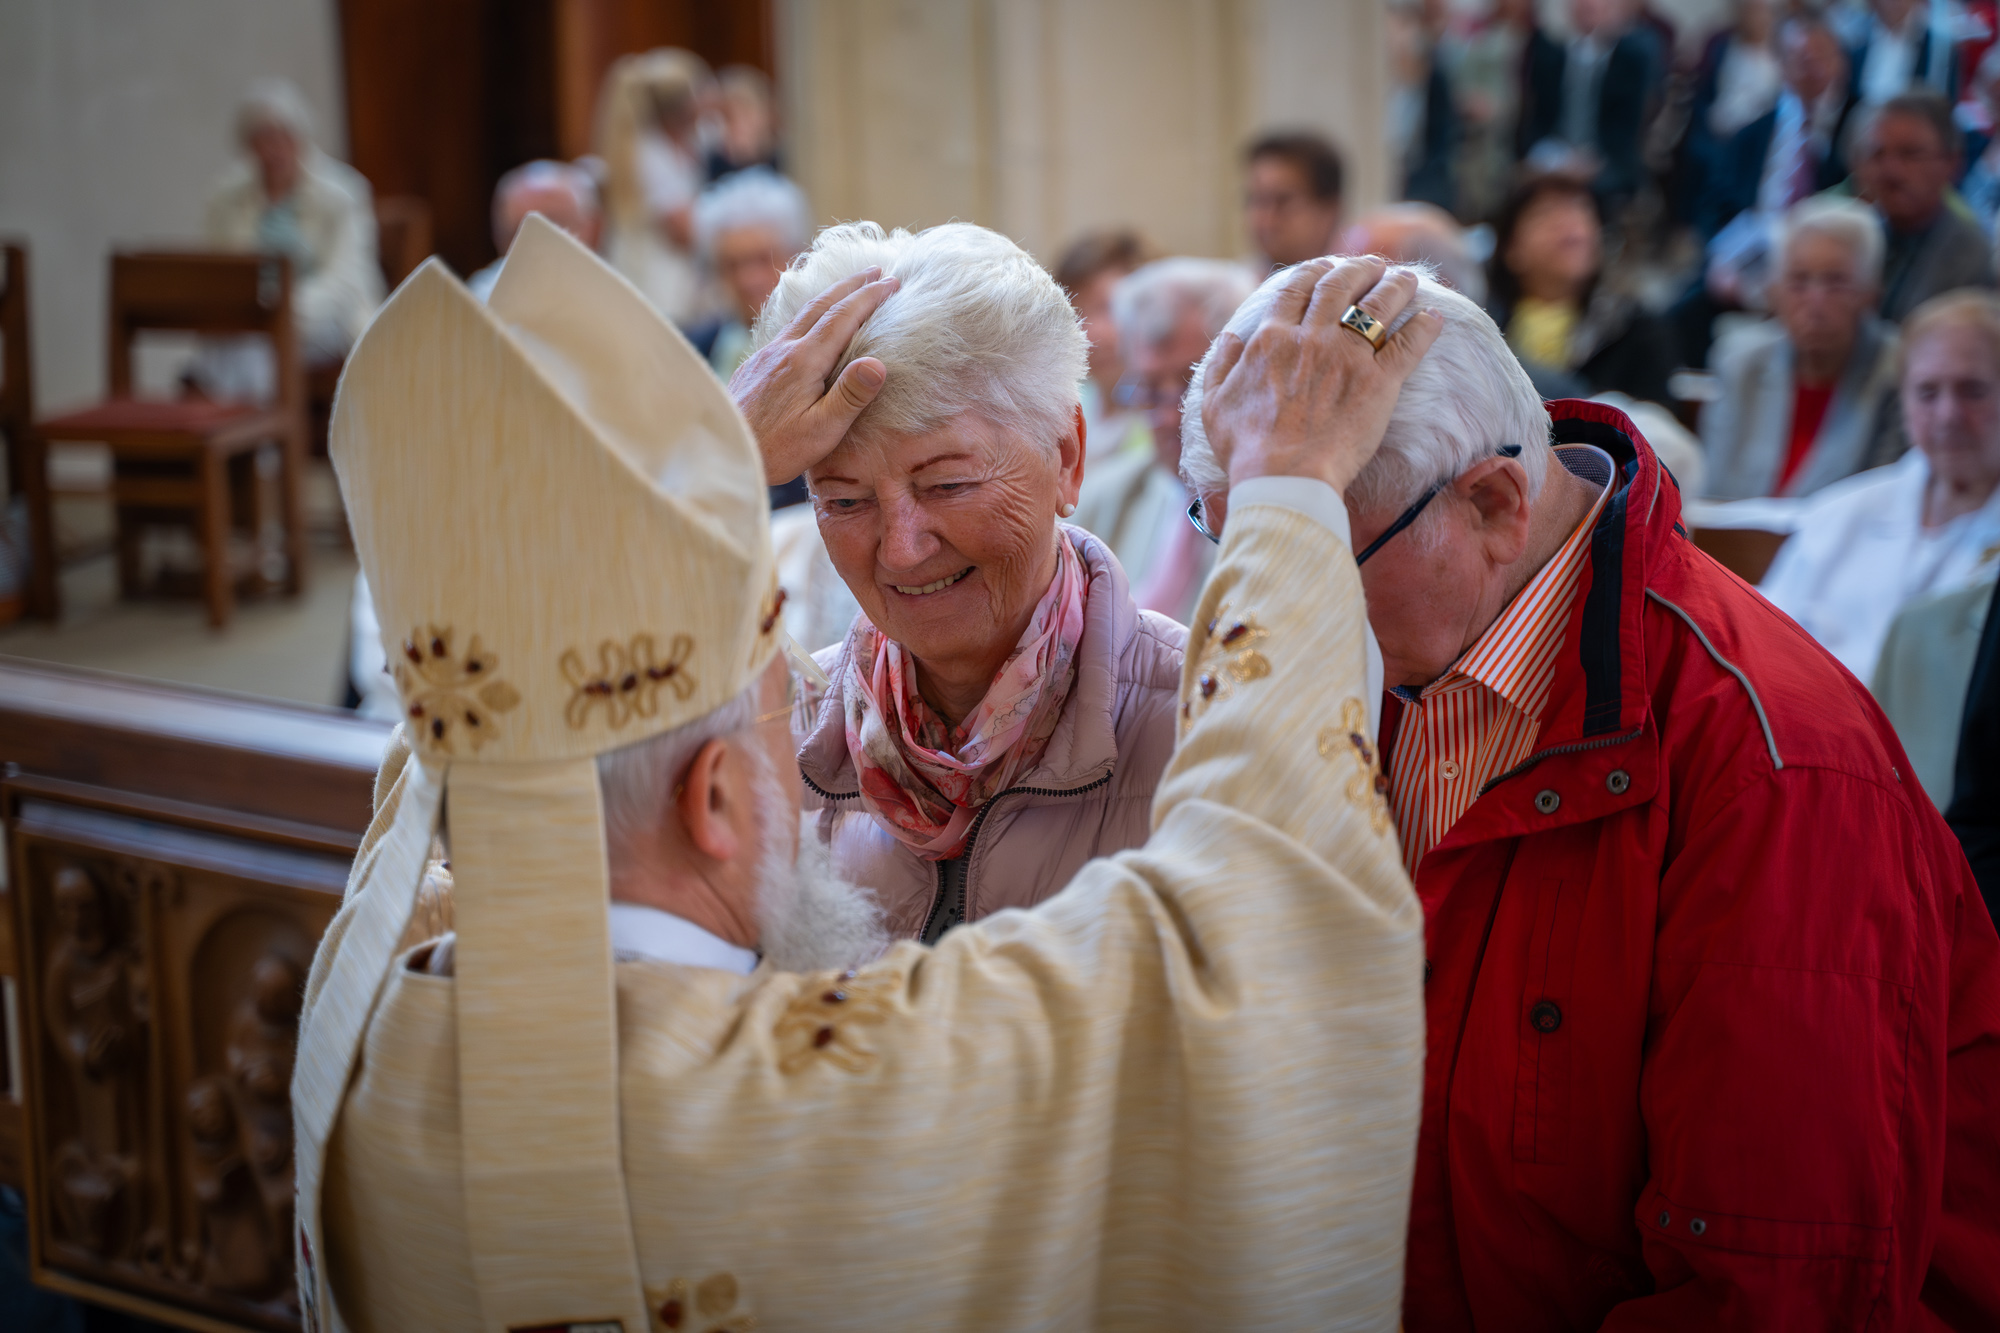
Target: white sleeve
(1321, 503)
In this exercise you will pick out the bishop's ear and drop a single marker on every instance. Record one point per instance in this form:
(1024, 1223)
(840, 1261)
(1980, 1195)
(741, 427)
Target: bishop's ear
(712, 800)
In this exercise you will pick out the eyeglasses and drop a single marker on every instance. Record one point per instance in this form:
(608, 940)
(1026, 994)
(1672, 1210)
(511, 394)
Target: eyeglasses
(1403, 520)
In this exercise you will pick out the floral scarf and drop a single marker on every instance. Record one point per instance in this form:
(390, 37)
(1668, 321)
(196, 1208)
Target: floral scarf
(926, 781)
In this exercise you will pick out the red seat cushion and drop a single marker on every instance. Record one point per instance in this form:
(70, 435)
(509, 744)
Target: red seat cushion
(196, 416)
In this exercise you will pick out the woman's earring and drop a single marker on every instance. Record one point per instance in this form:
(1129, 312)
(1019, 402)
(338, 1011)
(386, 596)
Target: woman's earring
(1067, 510)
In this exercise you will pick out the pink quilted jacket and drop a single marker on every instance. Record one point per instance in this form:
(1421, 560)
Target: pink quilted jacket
(1091, 794)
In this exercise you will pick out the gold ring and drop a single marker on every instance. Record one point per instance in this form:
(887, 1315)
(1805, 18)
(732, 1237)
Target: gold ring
(1365, 324)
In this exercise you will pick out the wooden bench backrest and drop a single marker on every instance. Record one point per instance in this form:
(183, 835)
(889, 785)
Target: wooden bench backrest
(17, 388)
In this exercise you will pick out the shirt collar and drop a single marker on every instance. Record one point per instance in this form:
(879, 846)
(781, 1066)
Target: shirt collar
(1497, 658)
(640, 933)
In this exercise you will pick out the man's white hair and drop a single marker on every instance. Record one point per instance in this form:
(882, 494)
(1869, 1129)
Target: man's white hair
(275, 102)
(977, 327)
(1151, 300)
(1465, 399)
(1848, 221)
(753, 197)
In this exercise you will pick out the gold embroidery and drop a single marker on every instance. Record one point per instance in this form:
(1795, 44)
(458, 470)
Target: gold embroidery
(1369, 786)
(447, 696)
(1228, 658)
(824, 1021)
(769, 617)
(709, 1306)
(628, 680)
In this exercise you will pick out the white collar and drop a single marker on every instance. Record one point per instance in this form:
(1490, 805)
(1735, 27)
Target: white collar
(649, 934)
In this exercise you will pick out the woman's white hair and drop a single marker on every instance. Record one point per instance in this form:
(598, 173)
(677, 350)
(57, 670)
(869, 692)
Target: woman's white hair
(753, 197)
(977, 327)
(275, 102)
(1465, 399)
(1849, 222)
(1149, 301)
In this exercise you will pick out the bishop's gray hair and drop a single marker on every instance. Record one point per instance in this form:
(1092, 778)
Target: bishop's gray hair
(1465, 399)
(636, 782)
(977, 327)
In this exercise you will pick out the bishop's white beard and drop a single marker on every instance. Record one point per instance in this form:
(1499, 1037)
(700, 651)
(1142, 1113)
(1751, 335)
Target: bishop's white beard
(810, 918)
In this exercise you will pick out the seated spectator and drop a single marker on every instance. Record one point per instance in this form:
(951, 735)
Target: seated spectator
(1418, 233)
(1291, 196)
(747, 131)
(1974, 812)
(1094, 264)
(1792, 150)
(1738, 79)
(1927, 524)
(1921, 679)
(1546, 293)
(1905, 157)
(649, 136)
(1589, 97)
(1981, 186)
(1484, 64)
(1894, 52)
(564, 194)
(749, 227)
(287, 197)
(1167, 314)
(1809, 397)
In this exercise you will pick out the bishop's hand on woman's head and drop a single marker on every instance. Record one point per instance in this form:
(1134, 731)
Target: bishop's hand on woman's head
(797, 408)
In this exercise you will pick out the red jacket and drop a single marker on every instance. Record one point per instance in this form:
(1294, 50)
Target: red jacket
(1714, 1004)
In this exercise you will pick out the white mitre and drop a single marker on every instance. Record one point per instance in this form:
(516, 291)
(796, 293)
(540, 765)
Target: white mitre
(563, 521)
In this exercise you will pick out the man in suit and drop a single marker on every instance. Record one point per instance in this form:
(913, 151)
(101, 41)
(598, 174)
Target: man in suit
(1906, 155)
(1591, 94)
(1793, 149)
(1894, 50)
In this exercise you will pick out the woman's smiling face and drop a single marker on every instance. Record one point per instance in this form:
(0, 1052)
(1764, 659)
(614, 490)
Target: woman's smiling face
(947, 537)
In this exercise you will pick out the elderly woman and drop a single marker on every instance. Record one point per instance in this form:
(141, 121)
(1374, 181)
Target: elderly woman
(1000, 711)
(1928, 524)
(287, 197)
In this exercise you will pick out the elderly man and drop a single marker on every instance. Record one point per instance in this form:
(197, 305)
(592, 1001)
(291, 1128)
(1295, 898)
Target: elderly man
(1714, 1009)
(591, 1113)
(1905, 159)
(562, 192)
(1291, 196)
(1166, 313)
(1792, 150)
(287, 197)
(1810, 397)
(1590, 94)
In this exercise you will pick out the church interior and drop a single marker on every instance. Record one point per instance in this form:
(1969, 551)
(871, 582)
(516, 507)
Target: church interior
(203, 203)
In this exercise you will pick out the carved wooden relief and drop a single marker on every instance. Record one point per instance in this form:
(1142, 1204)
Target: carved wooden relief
(162, 970)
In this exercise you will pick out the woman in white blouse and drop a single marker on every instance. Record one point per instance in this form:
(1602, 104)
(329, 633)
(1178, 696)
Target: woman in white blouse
(649, 135)
(1927, 524)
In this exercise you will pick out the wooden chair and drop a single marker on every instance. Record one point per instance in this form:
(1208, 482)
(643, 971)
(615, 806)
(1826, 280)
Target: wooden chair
(173, 459)
(1745, 552)
(402, 241)
(17, 418)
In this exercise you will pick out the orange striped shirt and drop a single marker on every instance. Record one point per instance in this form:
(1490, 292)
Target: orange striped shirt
(1480, 718)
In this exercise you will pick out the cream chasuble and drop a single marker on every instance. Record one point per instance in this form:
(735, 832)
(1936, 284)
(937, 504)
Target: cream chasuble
(1182, 1093)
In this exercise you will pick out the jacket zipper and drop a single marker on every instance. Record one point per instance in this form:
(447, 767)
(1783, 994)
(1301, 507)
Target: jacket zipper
(1574, 747)
(972, 836)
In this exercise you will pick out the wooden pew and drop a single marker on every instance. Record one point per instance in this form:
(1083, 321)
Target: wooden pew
(172, 858)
